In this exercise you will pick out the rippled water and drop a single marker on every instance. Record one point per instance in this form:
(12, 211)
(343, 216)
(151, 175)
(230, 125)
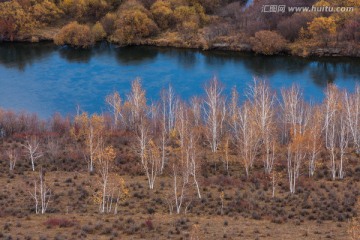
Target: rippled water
(45, 79)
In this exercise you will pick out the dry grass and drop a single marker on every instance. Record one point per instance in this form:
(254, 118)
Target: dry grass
(144, 215)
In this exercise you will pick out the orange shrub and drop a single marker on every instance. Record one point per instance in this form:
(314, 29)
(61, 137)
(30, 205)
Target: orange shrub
(268, 42)
(133, 23)
(75, 35)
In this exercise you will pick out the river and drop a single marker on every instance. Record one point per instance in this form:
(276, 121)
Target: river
(43, 78)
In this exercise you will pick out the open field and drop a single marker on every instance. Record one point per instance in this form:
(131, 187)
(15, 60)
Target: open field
(319, 211)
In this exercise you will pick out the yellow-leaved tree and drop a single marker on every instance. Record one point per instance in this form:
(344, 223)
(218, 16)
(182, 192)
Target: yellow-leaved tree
(163, 14)
(14, 21)
(322, 29)
(89, 132)
(133, 23)
(46, 12)
(113, 189)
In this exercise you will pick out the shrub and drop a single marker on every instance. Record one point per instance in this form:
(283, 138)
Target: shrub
(290, 27)
(73, 8)
(98, 32)
(86, 9)
(14, 20)
(268, 42)
(186, 14)
(46, 12)
(59, 222)
(75, 35)
(211, 5)
(133, 23)
(108, 23)
(149, 224)
(163, 14)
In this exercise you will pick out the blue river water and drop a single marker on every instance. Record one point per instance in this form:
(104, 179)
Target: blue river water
(43, 78)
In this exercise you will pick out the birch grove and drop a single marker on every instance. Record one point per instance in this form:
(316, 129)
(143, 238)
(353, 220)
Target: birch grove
(253, 128)
(283, 134)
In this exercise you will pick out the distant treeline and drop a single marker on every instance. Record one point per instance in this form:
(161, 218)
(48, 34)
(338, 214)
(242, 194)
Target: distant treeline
(203, 24)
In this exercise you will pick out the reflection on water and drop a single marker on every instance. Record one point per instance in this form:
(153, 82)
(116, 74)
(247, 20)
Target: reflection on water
(44, 78)
(127, 55)
(21, 55)
(76, 55)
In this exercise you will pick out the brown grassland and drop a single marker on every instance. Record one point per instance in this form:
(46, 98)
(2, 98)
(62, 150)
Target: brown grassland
(318, 211)
(96, 172)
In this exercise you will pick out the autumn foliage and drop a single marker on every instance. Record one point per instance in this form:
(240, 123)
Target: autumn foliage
(268, 42)
(187, 23)
(76, 35)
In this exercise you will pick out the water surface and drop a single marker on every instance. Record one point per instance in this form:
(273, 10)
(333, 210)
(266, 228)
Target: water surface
(45, 79)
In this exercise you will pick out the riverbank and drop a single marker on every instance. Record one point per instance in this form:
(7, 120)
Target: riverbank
(235, 43)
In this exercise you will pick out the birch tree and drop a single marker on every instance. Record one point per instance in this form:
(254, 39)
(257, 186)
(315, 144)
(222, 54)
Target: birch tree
(182, 130)
(105, 160)
(136, 101)
(149, 150)
(352, 112)
(296, 118)
(295, 111)
(188, 136)
(180, 185)
(152, 163)
(168, 100)
(181, 124)
(114, 102)
(295, 156)
(246, 137)
(163, 130)
(314, 138)
(113, 188)
(330, 116)
(336, 134)
(226, 150)
(343, 144)
(143, 137)
(214, 113)
(41, 194)
(263, 101)
(90, 131)
(33, 150)
(234, 109)
(194, 161)
(13, 156)
(121, 195)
